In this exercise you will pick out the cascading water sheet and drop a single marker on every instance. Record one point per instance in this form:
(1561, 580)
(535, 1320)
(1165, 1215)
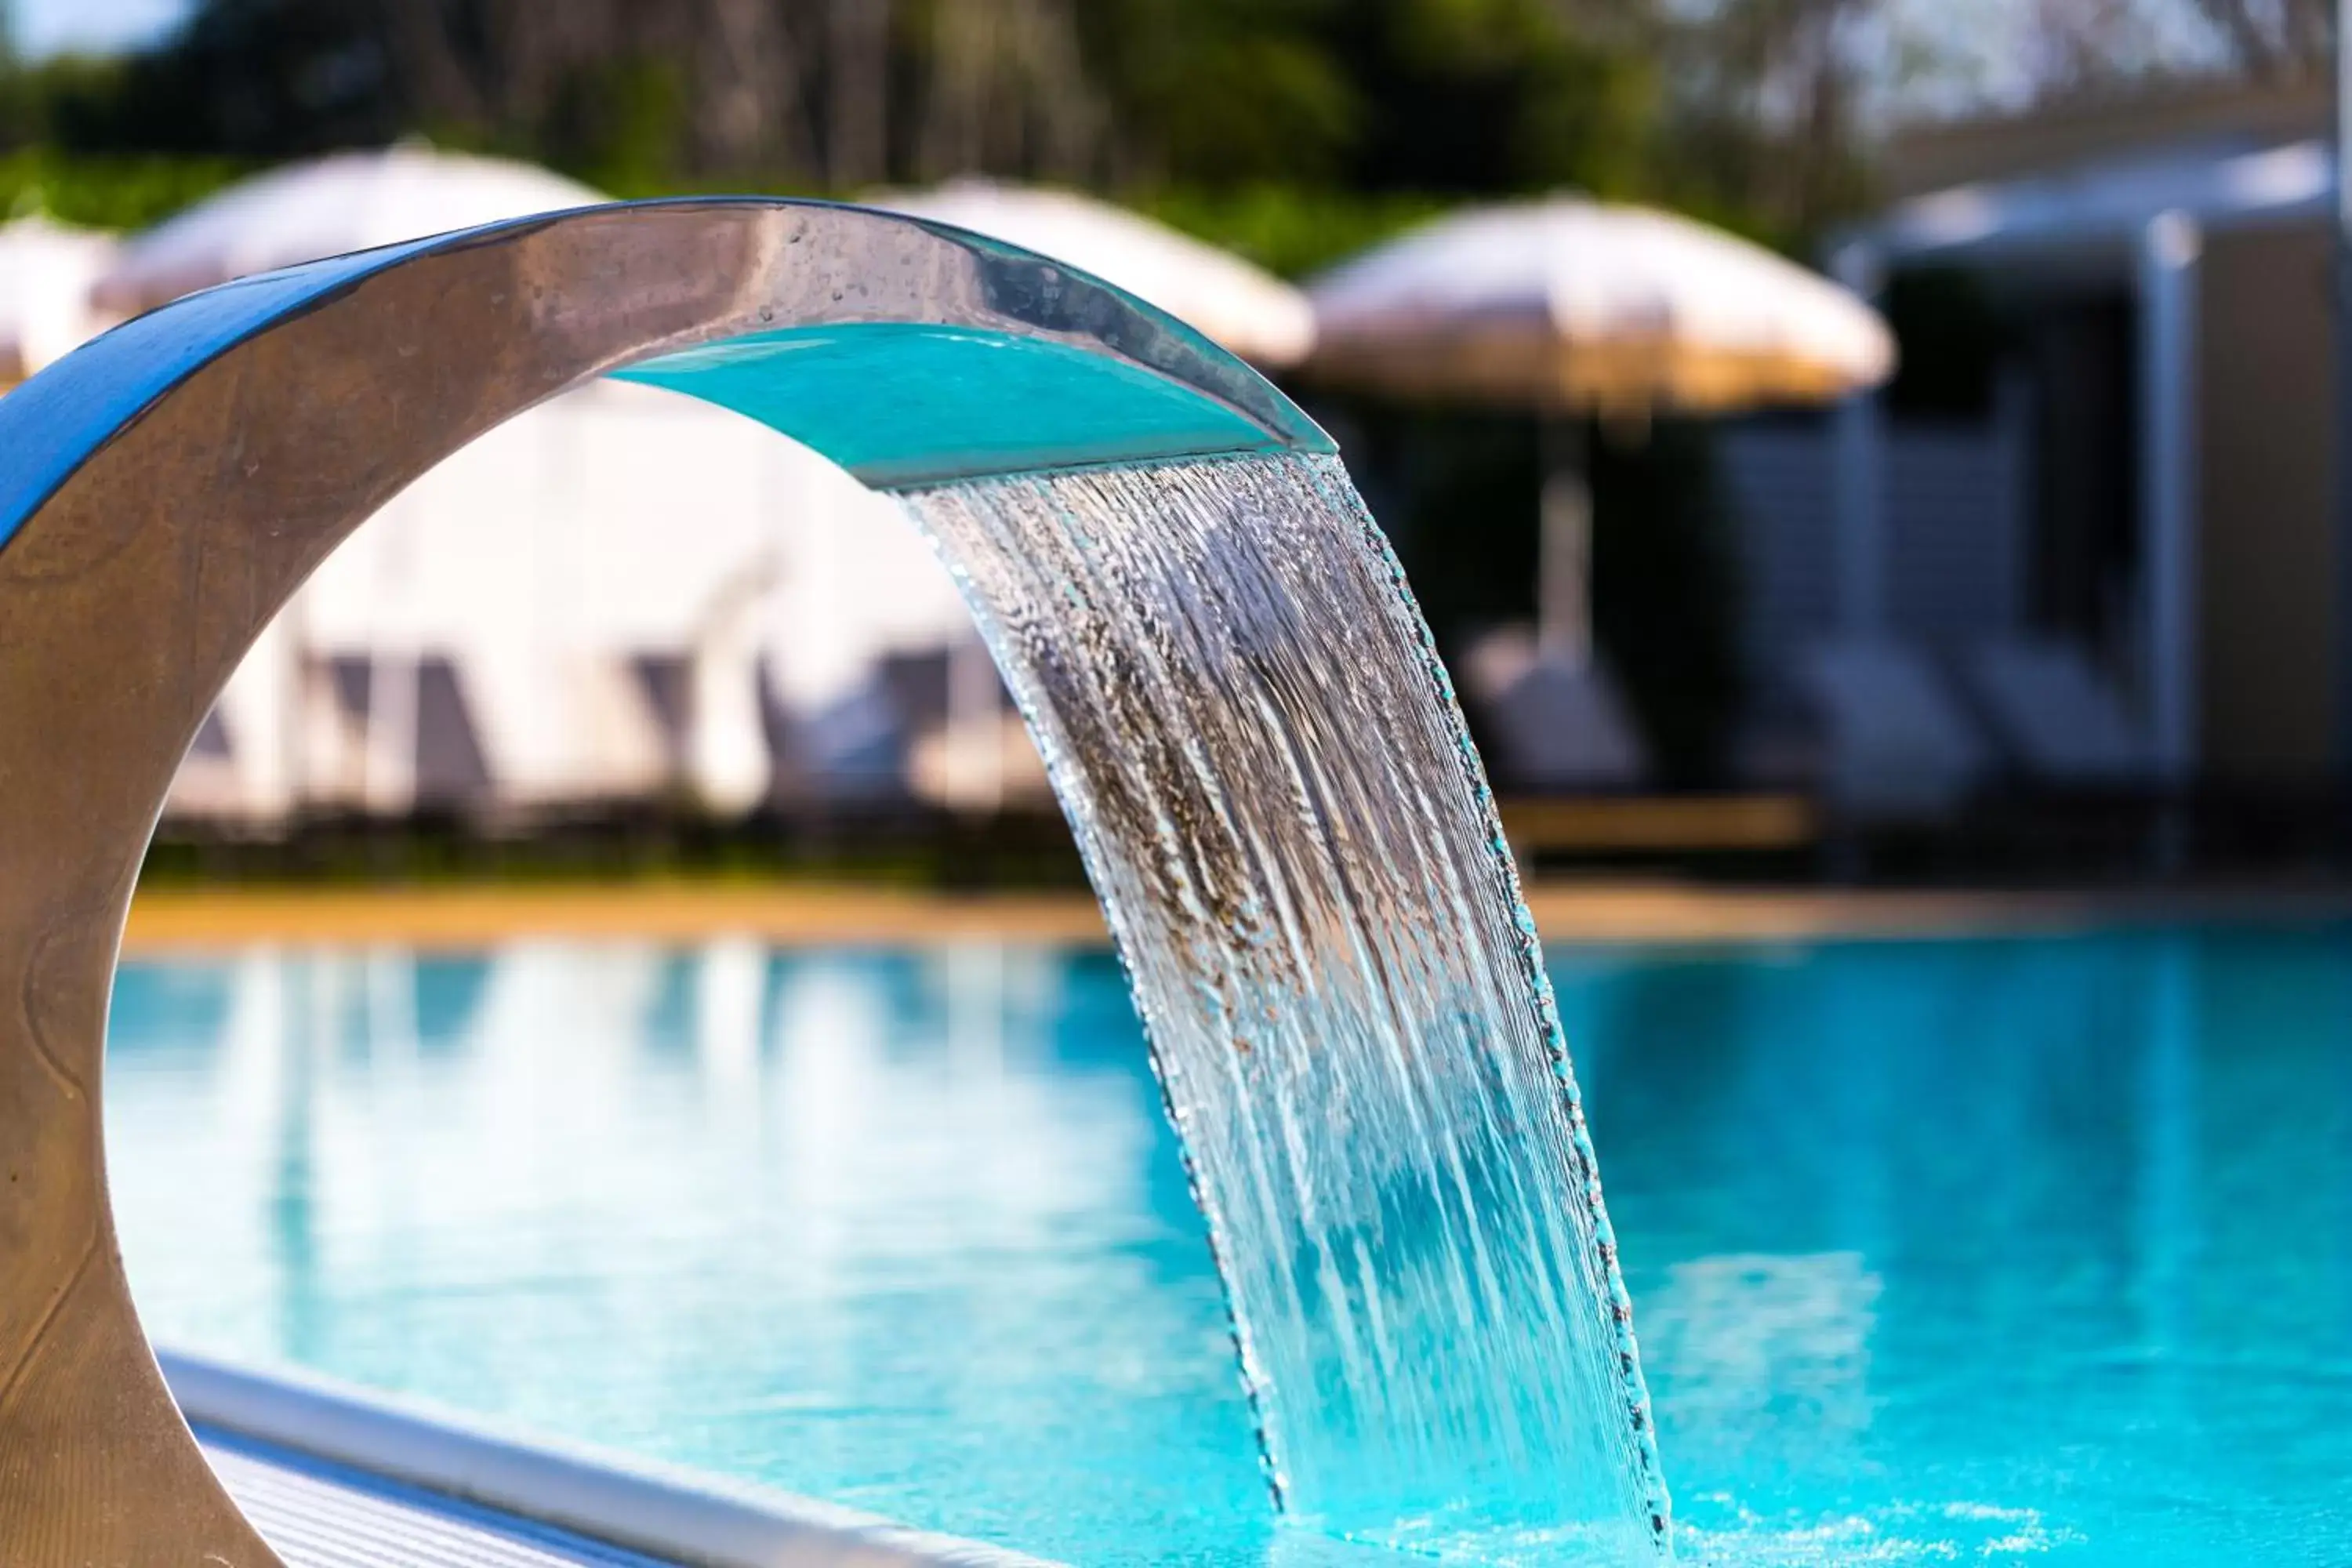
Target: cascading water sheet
(1244, 716)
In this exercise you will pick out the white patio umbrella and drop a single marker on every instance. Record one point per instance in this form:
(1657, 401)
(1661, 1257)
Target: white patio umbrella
(46, 272)
(345, 201)
(1567, 307)
(1242, 307)
(1573, 306)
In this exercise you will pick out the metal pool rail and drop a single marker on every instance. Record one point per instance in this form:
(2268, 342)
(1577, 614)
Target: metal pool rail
(345, 1472)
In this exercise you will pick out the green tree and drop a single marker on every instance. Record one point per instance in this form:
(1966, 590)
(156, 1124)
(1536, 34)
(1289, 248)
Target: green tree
(1435, 95)
(2079, 45)
(1006, 88)
(1225, 92)
(18, 124)
(1765, 128)
(1486, 96)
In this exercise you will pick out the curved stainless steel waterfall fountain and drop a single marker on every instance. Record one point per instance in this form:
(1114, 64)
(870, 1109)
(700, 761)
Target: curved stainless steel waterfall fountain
(168, 487)
(162, 493)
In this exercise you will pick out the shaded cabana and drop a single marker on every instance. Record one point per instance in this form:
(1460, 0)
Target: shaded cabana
(1565, 310)
(2239, 602)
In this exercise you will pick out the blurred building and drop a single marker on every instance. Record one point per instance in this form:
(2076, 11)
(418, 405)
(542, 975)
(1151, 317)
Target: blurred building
(2120, 567)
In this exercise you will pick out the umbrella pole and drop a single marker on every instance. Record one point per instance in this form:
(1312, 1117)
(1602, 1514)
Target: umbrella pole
(1564, 547)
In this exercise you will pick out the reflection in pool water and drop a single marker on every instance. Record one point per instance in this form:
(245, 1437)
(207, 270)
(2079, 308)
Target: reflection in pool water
(1976, 1251)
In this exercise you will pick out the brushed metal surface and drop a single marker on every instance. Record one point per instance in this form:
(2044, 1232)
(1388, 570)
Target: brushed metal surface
(163, 493)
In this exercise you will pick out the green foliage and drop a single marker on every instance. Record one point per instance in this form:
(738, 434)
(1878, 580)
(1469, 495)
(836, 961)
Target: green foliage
(1485, 96)
(629, 186)
(1764, 124)
(619, 125)
(1458, 96)
(119, 192)
(1225, 90)
(1290, 230)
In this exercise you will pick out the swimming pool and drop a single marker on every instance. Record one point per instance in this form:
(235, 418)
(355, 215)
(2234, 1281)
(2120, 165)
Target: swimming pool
(1976, 1250)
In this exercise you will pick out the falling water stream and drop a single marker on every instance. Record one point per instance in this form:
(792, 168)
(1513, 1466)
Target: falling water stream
(1244, 716)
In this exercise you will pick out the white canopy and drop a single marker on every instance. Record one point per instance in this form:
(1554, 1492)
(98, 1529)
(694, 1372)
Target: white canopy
(349, 201)
(542, 567)
(1245, 307)
(2109, 203)
(46, 272)
(1570, 304)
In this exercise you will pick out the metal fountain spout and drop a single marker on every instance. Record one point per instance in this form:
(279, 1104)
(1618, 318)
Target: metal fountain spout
(164, 491)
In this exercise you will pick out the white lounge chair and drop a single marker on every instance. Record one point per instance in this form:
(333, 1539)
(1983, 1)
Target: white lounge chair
(1554, 724)
(1897, 745)
(2057, 718)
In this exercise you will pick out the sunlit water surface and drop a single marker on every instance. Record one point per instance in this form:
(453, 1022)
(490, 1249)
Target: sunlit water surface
(1989, 1251)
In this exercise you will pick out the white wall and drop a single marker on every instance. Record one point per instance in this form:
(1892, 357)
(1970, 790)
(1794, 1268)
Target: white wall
(46, 273)
(545, 561)
(1956, 502)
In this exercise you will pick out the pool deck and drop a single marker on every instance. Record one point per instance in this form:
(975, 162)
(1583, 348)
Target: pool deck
(454, 917)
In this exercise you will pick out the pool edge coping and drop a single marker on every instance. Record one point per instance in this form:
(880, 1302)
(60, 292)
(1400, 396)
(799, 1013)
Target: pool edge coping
(682, 1516)
(179, 921)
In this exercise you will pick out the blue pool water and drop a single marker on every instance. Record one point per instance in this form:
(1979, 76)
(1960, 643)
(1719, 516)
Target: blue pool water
(1977, 1251)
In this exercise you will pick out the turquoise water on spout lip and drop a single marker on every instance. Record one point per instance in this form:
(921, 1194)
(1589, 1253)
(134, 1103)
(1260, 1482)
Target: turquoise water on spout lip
(900, 403)
(2003, 1250)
